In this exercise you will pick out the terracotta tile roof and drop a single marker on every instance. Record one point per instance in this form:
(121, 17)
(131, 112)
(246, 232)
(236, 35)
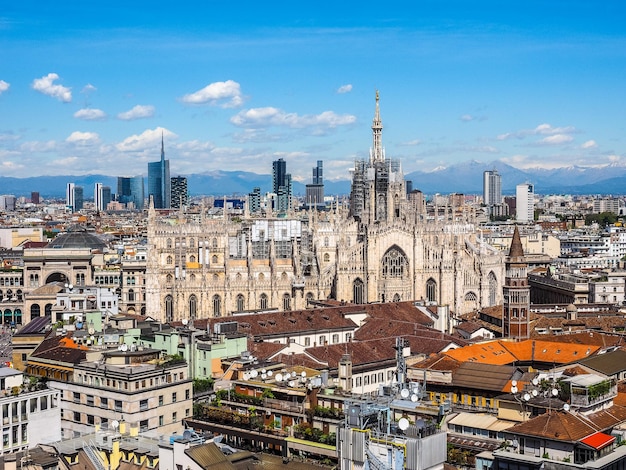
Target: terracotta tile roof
(596, 338)
(549, 351)
(265, 350)
(557, 426)
(493, 378)
(620, 399)
(60, 348)
(492, 352)
(440, 362)
(361, 352)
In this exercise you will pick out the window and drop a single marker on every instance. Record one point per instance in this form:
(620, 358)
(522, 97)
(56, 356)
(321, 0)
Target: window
(394, 263)
(307, 341)
(143, 425)
(240, 302)
(431, 290)
(76, 397)
(187, 394)
(143, 405)
(90, 420)
(174, 397)
(77, 416)
(335, 338)
(263, 302)
(161, 420)
(217, 305)
(90, 400)
(322, 340)
(174, 417)
(160, 400)
(286, 302)
(118, 405)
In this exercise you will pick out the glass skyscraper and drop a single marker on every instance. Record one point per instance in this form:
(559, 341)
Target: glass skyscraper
(159, 185)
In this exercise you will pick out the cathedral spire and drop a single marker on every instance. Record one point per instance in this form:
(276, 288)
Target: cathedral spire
(377, 154)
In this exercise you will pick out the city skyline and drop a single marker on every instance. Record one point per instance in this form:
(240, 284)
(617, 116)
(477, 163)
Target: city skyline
(87, 91)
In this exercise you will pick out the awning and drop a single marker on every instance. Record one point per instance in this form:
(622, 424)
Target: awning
(598, 440)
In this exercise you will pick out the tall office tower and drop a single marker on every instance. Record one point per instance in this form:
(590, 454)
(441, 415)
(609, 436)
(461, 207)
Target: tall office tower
(492, 191)
(77, 198)
(315, 190)
(159, 186)
(7, 202)
(137, 195)
(281, 185)
(70, 201)
(97, 197)
(525, 202)
(516, 291)
(179, 192)
(34, 197)
(123, 189)
(254, 200)
(105, 196)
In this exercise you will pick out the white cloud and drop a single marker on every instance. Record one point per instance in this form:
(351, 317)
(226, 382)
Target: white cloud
(83, 138)
(344, 89)
(556, 139)
(411, 143)
(590, 144)
(269, 116)
(467, 118)
(90, 114)
(137, 112)
(224, 94)
(541, 129)
(4, 86)
(46, 86)
(89, 88)
(147, 140)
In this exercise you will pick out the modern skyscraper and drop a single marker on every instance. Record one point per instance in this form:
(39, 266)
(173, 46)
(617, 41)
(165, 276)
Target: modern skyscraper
(74, 197)
(123, 189)
(137, 195)
(254, 200)
(159, 184)
(101, 196)
(315, 190)
(525, 202)
(179, 192)
(34, 197)
(492, 187)
(281, 186)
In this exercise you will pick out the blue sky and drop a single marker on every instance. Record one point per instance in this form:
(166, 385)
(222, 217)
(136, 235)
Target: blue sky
(90, 87)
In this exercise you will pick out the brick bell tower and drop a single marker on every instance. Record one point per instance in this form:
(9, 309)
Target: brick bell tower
(516, 314)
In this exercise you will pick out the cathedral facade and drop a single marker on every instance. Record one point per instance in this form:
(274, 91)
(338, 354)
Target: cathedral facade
(378, 248)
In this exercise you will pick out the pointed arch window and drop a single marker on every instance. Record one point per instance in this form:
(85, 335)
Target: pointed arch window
(263, 302)
(241, 303)
(358, 291)
(395, 263)
(286, 302)
(217, 306)
(493, 288)
(193, 306)
(431, 290)
(169, 309)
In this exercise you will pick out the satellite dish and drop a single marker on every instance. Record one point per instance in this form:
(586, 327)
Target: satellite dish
(91, 330)
(565, 407)
(555, 392)
(526, 396)
(70, 286)
(262, 371)
(535, 393)
(124, 347)
(270, 373)
(513, 389)
(254, 373)
(185, 321)
(513, 383)
(535, 381)
(246, 376)
(303, 373)
(279, 377)
(404, 393)
(115, 424)
(263, 376)
(414, 398)
(66, 285)
(403, 424)
(292, 383)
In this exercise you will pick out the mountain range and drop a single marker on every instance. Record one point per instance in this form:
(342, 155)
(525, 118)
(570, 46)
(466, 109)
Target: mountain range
(466, 178)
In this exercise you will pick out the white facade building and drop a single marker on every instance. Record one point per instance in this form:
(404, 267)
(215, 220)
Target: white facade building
(525, 196)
